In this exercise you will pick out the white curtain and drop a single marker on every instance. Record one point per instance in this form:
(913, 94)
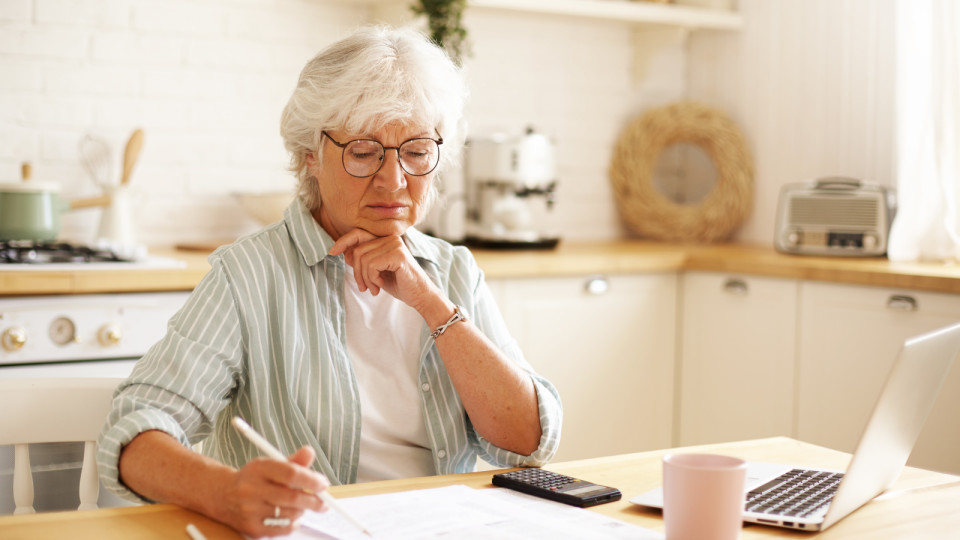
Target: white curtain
(927, 226)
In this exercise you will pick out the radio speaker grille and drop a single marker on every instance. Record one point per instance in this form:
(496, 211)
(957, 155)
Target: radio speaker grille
(858, 212)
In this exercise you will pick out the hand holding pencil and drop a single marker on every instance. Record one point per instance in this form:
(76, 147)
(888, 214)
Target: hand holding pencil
(278, 520)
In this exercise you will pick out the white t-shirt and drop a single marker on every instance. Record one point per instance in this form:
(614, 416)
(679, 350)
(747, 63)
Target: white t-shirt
(383, 342)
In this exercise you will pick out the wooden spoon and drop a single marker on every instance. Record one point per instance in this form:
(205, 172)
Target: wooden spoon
(130, 155)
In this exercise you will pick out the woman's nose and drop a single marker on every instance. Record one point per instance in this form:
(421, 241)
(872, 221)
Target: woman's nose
(390, 176)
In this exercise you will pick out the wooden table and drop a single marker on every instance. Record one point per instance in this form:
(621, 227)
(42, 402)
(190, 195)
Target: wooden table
(921, 505)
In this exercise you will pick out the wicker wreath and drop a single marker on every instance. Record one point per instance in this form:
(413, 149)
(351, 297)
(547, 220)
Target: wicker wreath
(646, 210)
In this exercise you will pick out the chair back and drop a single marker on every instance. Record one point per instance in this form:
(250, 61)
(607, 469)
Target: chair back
(46, 410)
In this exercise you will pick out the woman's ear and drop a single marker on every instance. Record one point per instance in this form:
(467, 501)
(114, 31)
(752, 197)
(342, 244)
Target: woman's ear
(312, 164)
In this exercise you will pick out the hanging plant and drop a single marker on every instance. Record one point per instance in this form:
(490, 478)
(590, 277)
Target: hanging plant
(445, 24)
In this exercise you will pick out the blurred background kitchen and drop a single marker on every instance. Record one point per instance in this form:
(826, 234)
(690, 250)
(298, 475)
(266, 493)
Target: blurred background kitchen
(683, 340)
(810, 82)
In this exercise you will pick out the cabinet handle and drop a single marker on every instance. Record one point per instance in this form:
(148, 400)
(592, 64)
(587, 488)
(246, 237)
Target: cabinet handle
(902, 302)
(596, 285)
(736, 286)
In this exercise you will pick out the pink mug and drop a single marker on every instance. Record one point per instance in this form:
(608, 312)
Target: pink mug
(703, 496)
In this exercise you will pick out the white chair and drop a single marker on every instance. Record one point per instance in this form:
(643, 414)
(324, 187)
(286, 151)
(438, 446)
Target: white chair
(41, 410)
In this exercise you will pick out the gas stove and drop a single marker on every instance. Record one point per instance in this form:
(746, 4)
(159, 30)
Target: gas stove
(29, 252)
(73, 336)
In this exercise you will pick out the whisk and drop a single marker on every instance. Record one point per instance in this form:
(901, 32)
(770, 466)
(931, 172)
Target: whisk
(95, 153)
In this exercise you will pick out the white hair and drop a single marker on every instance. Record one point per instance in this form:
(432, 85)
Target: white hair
(376, 76)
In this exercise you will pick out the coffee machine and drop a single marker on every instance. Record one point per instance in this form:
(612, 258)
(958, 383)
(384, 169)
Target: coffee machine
(510, 181)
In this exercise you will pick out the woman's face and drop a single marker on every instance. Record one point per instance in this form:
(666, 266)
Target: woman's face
(384, 204)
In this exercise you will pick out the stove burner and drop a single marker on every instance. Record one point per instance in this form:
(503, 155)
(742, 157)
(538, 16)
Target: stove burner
(29, 252)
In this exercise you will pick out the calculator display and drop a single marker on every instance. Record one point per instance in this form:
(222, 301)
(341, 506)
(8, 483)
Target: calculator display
(585, 490)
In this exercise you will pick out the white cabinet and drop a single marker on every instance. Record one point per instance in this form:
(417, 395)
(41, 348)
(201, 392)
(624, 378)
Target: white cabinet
(607, 343)
(736, 358)
(755, 357)
(850, 338)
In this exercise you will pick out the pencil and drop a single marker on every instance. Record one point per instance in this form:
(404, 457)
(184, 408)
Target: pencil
(194, 532)
(271, 451)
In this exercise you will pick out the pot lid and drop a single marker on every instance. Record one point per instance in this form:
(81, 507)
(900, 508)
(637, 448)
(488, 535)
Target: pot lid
(29, 187)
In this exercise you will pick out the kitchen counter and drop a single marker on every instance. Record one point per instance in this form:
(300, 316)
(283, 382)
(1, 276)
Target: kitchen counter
(637, 256)
(569, 258)
(99, 279)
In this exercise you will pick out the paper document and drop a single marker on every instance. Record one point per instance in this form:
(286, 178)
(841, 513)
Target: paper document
(464, 513)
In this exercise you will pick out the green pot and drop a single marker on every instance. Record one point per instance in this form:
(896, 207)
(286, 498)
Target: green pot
(30, 211)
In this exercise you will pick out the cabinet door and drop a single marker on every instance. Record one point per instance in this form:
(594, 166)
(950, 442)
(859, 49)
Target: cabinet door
(607, 343)
(737, 357)
(851, 338)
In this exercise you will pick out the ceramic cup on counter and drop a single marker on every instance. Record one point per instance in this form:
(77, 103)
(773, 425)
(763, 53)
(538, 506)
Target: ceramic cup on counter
(703, 496)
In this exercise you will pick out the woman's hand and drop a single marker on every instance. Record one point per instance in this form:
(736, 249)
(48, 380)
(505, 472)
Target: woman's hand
(264, 485)
(158, 467)
(385, 263)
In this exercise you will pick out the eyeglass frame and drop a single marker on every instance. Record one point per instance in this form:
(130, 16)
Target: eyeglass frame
(343, 148)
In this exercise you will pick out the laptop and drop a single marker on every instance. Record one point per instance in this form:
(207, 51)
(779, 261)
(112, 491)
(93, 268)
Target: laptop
(814, 499)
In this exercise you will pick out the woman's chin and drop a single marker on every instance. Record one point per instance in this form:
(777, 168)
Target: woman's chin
(388, 228)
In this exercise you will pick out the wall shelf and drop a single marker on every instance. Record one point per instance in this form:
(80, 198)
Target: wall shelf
(624, 11)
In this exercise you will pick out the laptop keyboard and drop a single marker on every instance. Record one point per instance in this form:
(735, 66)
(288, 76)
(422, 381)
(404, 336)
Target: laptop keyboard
(797, 493)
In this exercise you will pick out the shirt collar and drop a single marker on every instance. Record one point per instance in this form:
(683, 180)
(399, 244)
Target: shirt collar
(314, 243)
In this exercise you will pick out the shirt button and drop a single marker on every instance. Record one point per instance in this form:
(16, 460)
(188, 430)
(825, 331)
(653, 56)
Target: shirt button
(441, 454)
(425, 387)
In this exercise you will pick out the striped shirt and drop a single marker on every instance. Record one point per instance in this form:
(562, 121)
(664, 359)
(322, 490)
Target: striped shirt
(263, 337)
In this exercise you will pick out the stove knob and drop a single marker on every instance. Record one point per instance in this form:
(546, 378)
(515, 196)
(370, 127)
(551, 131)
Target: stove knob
(14, 338)
(109, 335)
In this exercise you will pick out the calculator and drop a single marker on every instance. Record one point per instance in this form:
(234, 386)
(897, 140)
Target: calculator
(556, 487)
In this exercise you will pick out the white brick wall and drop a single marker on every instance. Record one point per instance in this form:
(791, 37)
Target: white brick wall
(811, 83)
(207, 79)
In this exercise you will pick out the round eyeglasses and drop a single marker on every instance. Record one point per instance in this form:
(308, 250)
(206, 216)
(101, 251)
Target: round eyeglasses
(364, 157)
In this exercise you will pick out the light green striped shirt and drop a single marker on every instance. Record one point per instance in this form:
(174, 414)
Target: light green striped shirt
(263, 337)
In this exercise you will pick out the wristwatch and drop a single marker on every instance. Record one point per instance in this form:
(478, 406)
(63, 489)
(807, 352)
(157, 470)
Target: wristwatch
(454, 319)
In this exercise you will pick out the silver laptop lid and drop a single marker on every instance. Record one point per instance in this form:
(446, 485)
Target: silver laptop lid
(902, 408)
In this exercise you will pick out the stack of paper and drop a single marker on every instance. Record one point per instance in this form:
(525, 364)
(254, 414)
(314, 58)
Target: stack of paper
(464, 513)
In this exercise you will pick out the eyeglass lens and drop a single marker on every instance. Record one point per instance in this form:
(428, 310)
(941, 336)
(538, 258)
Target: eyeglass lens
(364, 157)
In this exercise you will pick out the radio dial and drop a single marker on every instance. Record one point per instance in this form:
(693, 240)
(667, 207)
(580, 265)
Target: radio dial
(793, 238)
(109, 335)
(14, 338)
(870, 240)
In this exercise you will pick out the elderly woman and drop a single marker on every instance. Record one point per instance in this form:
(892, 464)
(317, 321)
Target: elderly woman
(360, 347)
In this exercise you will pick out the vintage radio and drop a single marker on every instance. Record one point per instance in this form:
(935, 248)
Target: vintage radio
(833, 216)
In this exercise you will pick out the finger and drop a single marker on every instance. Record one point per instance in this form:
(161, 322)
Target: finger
(370, 274)
(360, 256)
(298, 477)
(372, 259)
(296, 501)
(351, 239)
(304, 456)
(358, 274)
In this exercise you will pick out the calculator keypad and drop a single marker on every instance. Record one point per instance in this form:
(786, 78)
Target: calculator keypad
(545, 479)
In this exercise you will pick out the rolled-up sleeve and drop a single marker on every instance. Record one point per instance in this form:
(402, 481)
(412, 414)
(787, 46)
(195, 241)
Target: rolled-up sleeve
(489, 319)
(182, 382)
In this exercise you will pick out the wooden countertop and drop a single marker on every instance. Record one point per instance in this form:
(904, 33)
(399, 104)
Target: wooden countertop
(568, 259)
(96, 281)
(636, 256)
